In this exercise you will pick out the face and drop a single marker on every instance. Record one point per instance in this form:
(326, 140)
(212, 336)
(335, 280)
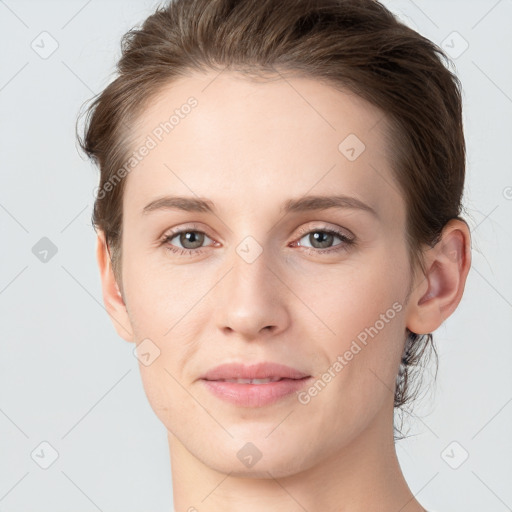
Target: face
(320, 289)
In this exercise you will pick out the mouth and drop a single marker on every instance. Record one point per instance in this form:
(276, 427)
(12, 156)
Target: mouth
(251, 381)
(255, 385)
(239, 372)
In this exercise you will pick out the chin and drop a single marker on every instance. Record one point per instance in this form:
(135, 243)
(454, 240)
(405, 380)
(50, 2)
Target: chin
(255, 460)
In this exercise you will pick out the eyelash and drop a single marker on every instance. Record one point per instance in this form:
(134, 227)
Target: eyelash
(344, 246)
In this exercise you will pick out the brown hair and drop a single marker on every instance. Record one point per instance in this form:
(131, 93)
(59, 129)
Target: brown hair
(354, 45)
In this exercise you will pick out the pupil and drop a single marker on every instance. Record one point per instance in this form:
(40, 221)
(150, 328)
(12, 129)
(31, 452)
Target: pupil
(196, 239)
(318, 236)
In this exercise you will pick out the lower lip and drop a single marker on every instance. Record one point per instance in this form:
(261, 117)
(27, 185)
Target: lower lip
(255, 395)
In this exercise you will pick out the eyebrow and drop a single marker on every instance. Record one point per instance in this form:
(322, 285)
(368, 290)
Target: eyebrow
(302, 204)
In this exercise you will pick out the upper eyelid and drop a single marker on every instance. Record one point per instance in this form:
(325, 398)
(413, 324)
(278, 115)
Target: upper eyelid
(338, 230)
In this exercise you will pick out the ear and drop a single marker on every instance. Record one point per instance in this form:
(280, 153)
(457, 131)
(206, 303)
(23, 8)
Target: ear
(114, 302)
(437, 293)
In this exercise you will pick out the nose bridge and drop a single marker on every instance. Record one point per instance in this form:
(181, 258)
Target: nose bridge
(251, 245)
(251, 264)
(249, 299)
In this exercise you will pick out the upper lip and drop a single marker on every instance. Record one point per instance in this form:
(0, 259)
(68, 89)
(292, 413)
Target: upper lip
(262, 370)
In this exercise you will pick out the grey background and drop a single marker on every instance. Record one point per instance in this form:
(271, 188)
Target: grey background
(68, 380)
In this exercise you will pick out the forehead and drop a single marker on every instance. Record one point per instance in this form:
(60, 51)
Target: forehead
(228, 138)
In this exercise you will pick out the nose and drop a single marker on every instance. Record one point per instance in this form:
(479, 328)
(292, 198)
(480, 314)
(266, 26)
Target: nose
(252, 300)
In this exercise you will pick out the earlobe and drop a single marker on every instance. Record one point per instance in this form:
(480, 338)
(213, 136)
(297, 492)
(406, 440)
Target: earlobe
(112, 298)
(437, 294)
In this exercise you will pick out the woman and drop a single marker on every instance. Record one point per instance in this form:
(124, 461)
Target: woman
(279, 234)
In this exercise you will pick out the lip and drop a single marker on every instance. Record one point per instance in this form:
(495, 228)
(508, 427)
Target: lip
(254, 395)
(262, 370)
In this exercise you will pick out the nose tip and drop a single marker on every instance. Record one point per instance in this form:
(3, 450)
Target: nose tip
(249, 303)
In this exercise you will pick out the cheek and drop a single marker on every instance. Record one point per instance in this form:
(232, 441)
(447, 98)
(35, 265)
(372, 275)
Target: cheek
(160, 294)
(355, 297)
(364, 310)
(166, 314)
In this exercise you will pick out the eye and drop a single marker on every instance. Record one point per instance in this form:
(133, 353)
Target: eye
(321, 240)
(191, 241)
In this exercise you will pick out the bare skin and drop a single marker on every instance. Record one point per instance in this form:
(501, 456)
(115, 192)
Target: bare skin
(248, 147)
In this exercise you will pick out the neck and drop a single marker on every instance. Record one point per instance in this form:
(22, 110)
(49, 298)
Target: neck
(365, 475)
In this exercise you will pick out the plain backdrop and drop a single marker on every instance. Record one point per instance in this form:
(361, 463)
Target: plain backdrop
(71, 396)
